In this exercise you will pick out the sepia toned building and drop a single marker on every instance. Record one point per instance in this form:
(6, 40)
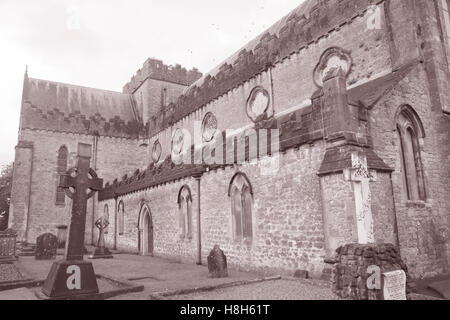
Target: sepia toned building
(336, 121)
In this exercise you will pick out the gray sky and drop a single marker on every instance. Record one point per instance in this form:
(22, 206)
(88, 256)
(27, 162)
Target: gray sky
(102, 43)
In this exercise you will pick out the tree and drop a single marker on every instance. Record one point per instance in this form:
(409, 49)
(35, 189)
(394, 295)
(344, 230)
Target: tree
(5, 194)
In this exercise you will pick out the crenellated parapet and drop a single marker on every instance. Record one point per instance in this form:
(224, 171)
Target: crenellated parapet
(157, 70)
(302, 28)
(60, 107)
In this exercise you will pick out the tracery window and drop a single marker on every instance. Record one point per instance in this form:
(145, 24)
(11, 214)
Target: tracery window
(241, 194)
(61, 168)
(185, 211)
(121, 218)
(410, 131)
(106, 217)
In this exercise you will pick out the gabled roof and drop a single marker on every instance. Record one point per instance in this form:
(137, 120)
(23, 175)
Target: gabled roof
(63, 107)
(372, 91)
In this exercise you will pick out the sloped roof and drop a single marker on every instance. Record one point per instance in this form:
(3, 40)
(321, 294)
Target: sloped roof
(64, 107)
(369, 93)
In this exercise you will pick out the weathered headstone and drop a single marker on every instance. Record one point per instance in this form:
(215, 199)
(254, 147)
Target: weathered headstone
(394, 285)
(46, 246)
(217, 263)
(101, 252)
(62, 236)
(72, 276)
(8, 246)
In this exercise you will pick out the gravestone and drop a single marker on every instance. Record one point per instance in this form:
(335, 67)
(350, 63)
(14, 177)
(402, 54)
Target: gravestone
(62, 236)
(46, 246)
(101, 252)
(73, 277)
(394, 285)
(8, 246)
(217, 264)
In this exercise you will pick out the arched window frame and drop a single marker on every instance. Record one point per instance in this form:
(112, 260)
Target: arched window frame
(106, 216)
(121, 218)
(61, 168)
(411, 133)
(240, 192)
(185, 212)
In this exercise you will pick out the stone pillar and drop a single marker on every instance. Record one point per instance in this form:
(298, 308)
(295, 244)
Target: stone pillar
(347, 170)
(340, 119)
(19, 211)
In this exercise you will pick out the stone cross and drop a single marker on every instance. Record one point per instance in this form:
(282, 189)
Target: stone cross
(85, 188)
(101, 252)
(101, 224)
(73, 277)
(361, 177)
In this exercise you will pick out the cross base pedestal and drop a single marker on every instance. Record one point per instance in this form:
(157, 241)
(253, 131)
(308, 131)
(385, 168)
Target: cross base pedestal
(69, 279)
(101, 253)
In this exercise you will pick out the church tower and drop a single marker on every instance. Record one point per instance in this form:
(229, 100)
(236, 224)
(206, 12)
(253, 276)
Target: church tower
(156, 85)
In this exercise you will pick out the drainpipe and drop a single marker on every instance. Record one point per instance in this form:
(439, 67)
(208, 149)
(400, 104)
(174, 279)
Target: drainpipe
(94, 164)
(199, 229)
(116, 210)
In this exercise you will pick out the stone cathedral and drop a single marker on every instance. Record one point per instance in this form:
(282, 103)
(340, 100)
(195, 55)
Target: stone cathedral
(346, 102)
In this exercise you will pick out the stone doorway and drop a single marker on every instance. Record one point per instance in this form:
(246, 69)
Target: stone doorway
(145, 232)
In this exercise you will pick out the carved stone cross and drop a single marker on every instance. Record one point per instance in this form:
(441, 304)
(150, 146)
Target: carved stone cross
(73, 277)
(361, 177)
(101, 252)
(101, 224)
(85, 188)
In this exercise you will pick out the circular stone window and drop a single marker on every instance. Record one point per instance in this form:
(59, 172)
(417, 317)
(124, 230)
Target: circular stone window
(156, 151)
(177, 142)
(209, 127)
(332, 58)
(258, 103)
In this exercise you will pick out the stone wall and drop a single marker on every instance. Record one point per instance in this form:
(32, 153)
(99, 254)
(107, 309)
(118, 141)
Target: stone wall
(291, 78)
(287, 216)
(164, 209)
(114, 156)
(351, 269)
(422, 226)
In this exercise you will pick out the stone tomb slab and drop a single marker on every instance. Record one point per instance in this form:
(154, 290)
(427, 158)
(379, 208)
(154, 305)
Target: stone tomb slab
(394, 285)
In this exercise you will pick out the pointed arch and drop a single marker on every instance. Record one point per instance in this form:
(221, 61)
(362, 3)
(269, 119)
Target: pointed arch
(61, 168)
(145, 209)
(241, 195)
(121, 218)
(244, 176)
(407, 112)
(145, 228)
(410, 130)
(106, 216)
(185, 211)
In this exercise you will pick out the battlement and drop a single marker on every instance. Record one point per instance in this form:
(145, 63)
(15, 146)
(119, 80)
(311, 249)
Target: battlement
(156, 69)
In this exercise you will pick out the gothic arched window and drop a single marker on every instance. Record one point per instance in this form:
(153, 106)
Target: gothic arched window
(121, 218)
(106, 216)
(185, 213)
(410, 131)
(241, 194)
(61, 168)
(163, 97)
